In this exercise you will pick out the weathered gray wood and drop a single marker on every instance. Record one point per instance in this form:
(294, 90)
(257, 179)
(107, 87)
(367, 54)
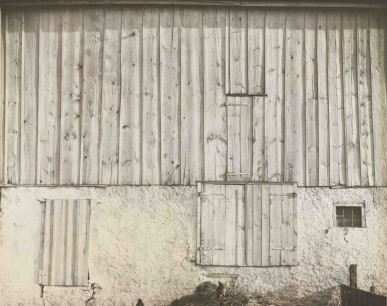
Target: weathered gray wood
(259, 158)
(311, 98)
(233, 3)
(215, 123)
(151, 98)
(294, 99)
(238, 52)
(364, 100)
(256, 51)
(130, 110)
(265, 225)
(350, 81)
(13, 93)
(91, 94)
(199, 188)
(378, 88)
(110, 116)
(240, 226)
(231, 228)
(50, 53)
(29, 108)
(257, 224)
(287, 226)
(191, 96)
(335, 97)
(2, 105)
(274, 111)
(170, 95)
(275, 198)
(323, 102)
(71, 95)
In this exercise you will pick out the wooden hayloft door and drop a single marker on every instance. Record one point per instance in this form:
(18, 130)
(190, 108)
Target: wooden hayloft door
(247, 224)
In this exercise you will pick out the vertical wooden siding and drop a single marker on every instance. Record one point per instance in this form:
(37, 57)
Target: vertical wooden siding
(140, 96)
(64, 243)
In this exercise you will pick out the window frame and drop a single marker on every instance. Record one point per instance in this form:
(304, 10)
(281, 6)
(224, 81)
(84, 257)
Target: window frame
(348, 204)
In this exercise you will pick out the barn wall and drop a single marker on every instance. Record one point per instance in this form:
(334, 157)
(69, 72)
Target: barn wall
(138, 96)
(143, 244)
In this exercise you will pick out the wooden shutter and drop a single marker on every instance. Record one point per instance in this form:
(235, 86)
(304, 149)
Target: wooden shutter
(247, 224)
(64, 243)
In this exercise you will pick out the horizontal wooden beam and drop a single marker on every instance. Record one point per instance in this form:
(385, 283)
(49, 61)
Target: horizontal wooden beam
(258, 3)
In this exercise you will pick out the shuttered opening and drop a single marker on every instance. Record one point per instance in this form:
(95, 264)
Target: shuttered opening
(247, 224)
(64, 243)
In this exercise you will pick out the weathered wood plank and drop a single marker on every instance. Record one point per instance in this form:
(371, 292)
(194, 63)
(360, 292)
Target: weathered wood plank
(199, 189)
(110, 116)
(336, 113)
(206, 226)
(294, 254)
(219, 224)
(350, 82)
(287, 226)
(13, 92)
(130, 110)
(364, 100)
(259, 158)
(323, 109)
(151, 97)
(378, 84)
(275, 224)
(2, 104)
(311, 99)
(50, 54)
(82, 233)
(71, 95)
(295, 100)
(256, 51)
(238, 51)
(249, 221)
(29, 122)
(92, 93)
(274, 103)
(215, 123)
(265, 225)
(170, 95)
(191, 96)
(46, 232)
(57, 247)
(231, 230)
(239, 139)
(240, 226)
(257, 224)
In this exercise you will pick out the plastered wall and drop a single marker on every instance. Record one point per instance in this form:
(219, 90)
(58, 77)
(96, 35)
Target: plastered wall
(143, 244)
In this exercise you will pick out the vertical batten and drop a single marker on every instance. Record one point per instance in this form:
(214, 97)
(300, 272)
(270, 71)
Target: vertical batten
(265, 227)
(364, 100)
(91, 93)
(50, 57)
(294, 100)
(130, 116)
(274, 103)
(351, 114)
(335, 97)
(191, 96)
(169, 95)
(215, 123)
(111, 95)
(323, 102)
(29, 114)
(259, 159)
(311, 99)
(13, 93)
(379, 108)
(150, 98)
(71, 95)
(275, 200)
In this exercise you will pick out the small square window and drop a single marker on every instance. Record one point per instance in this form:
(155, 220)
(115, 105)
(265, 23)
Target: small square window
(349, 216)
